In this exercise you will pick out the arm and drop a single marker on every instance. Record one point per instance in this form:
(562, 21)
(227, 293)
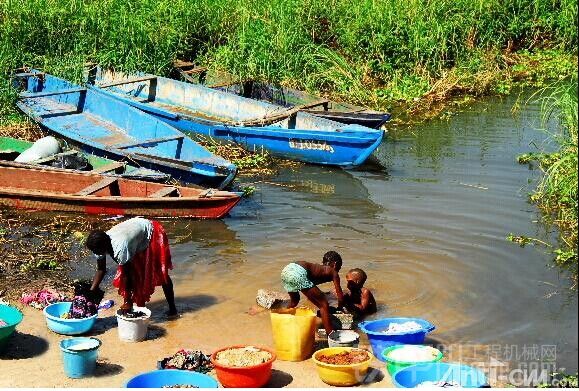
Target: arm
(339, 291)
(100, 273)
(294, 299)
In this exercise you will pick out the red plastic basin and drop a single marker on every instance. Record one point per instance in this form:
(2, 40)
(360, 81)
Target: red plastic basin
(243, 377)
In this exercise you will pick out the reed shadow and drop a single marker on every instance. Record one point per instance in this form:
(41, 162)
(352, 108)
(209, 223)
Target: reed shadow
(374, 375)
(185, 304)
(105, 369)
(279, 379)
(22, 346)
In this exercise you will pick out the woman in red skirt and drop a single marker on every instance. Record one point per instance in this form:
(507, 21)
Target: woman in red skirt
(141, 249)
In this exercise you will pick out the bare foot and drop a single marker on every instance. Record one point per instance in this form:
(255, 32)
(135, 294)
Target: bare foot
(172, 315)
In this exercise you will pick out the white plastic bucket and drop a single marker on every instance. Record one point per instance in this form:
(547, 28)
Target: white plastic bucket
(343, 339)
(134, 329)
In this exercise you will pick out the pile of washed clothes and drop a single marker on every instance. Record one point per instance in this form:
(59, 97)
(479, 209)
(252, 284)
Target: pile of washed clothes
(42, 298)
(191, 360)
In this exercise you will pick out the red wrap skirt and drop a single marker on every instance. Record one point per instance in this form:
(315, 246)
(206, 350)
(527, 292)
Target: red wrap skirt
(149, 268)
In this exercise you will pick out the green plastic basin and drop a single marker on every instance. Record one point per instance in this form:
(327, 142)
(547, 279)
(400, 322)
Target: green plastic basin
(394, 366)
(12, 316)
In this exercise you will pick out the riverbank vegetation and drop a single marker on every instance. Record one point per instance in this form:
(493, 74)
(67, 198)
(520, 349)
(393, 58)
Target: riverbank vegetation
(411, 57)
(383, 54)
(556, 194)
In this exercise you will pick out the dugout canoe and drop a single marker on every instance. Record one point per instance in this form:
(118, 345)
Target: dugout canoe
(287, 97)
(10, 148)
(106, 127)
(287, 133)
(51, 190)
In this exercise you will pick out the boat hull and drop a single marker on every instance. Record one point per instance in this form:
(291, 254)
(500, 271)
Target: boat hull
(159, 209)
(283, 96)
(302, 136)
(51, 190)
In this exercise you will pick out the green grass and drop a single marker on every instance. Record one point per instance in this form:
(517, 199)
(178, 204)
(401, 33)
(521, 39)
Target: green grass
(372, 52)
(556, 194)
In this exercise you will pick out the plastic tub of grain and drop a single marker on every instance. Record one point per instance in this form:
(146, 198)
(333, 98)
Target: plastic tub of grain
(342, 366)
(243, 366)
(402, 356)
(10, 317)
(133, 327)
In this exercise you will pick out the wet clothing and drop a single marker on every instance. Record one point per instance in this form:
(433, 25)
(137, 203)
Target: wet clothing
(129, 238)
(86, 301)
(149, 267)
(294, 278)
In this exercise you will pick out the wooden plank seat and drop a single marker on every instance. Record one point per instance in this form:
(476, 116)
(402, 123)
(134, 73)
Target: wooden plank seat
(105, 182)
(150, 141)
(164, 192)
(27, 95)
(127, 81)
(283, 115)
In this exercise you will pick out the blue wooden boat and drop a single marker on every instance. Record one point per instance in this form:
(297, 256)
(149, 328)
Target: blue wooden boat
(106, 127)
(287, 133)
(288, 97)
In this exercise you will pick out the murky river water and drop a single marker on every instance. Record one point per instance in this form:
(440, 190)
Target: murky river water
(429, 230)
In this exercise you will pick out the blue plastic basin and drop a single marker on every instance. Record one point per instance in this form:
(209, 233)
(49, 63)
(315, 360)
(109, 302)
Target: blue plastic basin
(54, 322)
(12, 317)
(171, 377)
(79, 356)
(467, 377)
(380, 341)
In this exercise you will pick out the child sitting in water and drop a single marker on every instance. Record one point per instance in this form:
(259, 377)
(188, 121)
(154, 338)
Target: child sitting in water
(304, 276)
(359, 300)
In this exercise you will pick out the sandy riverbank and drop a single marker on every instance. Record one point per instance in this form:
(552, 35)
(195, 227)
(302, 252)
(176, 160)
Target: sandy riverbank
(33, 358)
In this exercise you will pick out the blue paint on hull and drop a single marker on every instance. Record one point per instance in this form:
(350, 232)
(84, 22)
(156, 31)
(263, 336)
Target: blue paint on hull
(195, 109)
(105, 127)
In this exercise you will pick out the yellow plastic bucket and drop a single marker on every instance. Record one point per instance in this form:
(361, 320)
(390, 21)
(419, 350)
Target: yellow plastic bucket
(341, 375)
(293, 333)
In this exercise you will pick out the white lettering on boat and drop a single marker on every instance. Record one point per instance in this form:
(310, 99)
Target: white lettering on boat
(310, 144)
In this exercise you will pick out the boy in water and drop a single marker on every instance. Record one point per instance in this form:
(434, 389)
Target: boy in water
(304, 276)
(359, 300)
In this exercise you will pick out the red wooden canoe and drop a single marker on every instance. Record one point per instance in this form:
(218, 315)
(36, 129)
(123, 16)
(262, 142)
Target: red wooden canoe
(39, 189)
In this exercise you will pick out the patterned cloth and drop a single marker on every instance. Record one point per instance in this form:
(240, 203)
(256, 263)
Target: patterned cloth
(149, 268)
(294, 278)
(42, 298)
(86, 301)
